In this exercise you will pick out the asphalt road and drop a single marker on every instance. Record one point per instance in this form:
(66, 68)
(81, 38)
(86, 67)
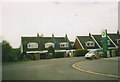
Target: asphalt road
(59, 69)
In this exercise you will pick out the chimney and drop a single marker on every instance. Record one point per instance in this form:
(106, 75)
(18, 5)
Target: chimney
(53, 35)
(37, 34)
(118, 32)
(66, 36)
(89, 34)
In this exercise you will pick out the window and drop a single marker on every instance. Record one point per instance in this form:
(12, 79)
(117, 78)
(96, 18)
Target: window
(49, 44)
(108, 42)
(118, 41)
(90, 43)
(32, 45)
(64, 45)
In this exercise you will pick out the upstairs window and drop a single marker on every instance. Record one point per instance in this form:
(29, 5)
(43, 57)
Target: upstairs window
(108, 42)
(32, 45)
(118, 41)
(49, 44)
(64, 45)
(90, 43)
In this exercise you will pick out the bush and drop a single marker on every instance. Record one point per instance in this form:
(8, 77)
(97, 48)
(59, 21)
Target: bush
(80, 52)
(6, 51)
(49, 55)
(59, 55)
(51, 50)
(29, 57)
(12, 58)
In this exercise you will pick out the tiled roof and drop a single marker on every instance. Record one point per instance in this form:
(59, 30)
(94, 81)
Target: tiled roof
(114, 37)
(84, 39)
(99, 40)
(41, 42)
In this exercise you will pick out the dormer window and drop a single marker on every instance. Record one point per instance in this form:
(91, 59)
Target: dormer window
(64, 45)
(90, 43)
(49, 44)
(108, 42)
(118, 41)
(32, 45)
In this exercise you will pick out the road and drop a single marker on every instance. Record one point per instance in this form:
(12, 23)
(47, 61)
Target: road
(60, 69)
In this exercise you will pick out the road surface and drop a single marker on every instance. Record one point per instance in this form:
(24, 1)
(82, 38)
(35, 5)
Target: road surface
(60, 69)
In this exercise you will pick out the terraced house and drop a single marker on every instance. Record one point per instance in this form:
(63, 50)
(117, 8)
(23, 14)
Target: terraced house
(38, 45)
(95, 41)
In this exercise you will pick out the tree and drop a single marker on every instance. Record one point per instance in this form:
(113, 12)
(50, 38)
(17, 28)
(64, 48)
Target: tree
(51, 50)
(6, 50)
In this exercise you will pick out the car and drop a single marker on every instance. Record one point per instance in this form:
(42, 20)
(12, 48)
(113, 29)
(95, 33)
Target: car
(92, 54)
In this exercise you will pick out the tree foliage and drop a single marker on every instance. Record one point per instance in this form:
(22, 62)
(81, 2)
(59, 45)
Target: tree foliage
(6, 50)
(8, 53)
(51, 50)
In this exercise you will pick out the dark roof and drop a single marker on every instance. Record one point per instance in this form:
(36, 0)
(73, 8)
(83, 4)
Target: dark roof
(98, 38)
(114, 37)
(41, 42)
(84, 39)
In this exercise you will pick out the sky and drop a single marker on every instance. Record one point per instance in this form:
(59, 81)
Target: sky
(58, 17)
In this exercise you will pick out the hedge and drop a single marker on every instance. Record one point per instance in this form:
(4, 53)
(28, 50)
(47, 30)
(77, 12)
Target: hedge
(28, 57)
(80, 52)
(59, 55)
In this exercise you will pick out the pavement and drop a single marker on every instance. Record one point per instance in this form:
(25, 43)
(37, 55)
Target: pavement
(104, 66)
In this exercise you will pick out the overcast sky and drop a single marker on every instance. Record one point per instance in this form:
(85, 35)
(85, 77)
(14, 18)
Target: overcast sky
(58, 17)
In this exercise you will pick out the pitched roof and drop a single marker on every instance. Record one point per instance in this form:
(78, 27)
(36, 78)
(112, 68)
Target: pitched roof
(41, 42)
(99, 40)
(84, 39)
(114, 37)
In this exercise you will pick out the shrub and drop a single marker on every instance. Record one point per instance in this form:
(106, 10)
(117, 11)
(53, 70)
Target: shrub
(51, 50)
(80, 52)
(49, 55)
(28, 57)
(6, 51)
(59, 55)
(12, 58)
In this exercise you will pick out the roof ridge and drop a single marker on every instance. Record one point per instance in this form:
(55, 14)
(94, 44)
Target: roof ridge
(82, 36)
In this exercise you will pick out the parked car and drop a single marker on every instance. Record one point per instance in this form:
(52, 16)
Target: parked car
(92, 54)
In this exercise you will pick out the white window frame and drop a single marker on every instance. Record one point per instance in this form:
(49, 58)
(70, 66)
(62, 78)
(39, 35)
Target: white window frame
(32, 45)
(108, 42)
(66, 45)
(118, 41)
(90, 43)
(49, 44)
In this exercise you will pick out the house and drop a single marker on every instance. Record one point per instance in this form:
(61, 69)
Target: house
(38, 45)
(95, 41)
(115, 38)
(85, 42)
